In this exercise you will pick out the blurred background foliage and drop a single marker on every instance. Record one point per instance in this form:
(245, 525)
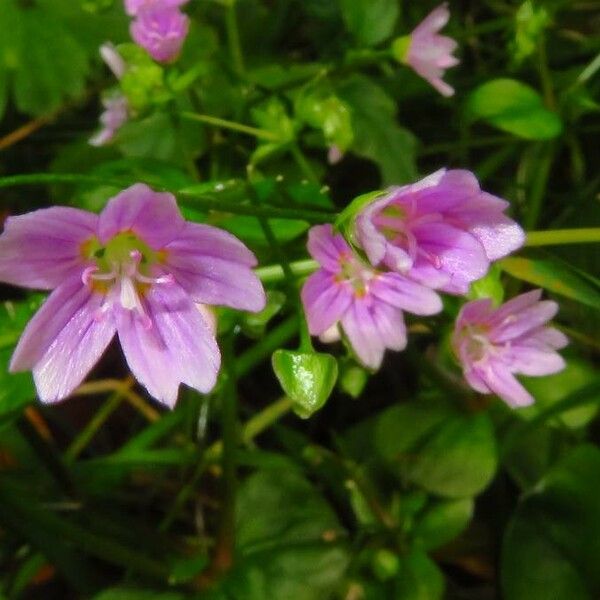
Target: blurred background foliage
(404, 485)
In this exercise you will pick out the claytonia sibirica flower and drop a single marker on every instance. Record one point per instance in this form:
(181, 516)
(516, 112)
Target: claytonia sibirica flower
(160, 28)
(112, 119)
(137, 269)
(365, 303)
(429, 53)
(442, 231)
(116, 107)
(494, 344)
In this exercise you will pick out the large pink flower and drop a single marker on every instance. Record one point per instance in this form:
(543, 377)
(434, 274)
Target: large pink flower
(367, 304)
(138, 269)
(442, 231)
(429, 53)
(493, 345)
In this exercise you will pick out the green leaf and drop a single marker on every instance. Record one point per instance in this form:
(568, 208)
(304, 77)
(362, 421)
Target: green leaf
(419, 578)
(250, 230)
(552, 544)
(306, 377)
(513, 107)
(370, 21)
(430, 444)
(530, 23)
(46, 63)
(442, 521)
(288, 540)
(16, 390)
(329, 114)
(557, 277)
(550, 390)
(377, 135)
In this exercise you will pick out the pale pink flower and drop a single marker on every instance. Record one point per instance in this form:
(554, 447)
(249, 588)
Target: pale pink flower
(495, 344)
(442, 231)
(429, 53)
(160, 30)
(138, 270)
(366, 304)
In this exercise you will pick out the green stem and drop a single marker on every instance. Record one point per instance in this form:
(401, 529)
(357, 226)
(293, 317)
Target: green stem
(299, 268)
(545, 75)
(539, 185)
(267, 345)
(265, 418)
(91, 429)
(251, 429)
(233, 38)
(200, 201)
(303, 163)
(49, 178)
(556, 237)
(224, 544)
(262, 134)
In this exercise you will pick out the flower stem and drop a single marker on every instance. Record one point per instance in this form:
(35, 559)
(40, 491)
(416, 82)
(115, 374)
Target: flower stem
(96, 422)
(224, 544)
(198, 200)
(262, 134)
(303, 163)
(233, 38)
(299, 268)
(555, 237)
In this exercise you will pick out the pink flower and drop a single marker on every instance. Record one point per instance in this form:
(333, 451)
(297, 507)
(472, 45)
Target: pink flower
(367, 304)
(442, 231)
(132, 7)
(116, 106)
(494, 344)
(161, 30)
(138, 269)
(112, 119)
(113, 60)
(429, 53)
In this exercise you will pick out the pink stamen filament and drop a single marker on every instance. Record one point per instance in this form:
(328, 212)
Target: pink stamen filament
(125, 275)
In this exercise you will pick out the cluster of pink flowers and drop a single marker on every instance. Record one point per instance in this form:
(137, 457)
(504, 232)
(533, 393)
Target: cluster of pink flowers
(439, 234)
(158, 26)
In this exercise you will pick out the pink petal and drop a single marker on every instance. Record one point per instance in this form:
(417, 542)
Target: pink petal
(325, 301)
(326, 247)
(476, 382)
(455, 252)
(399, 291)
(433, 22)
(200, 240)
(43, 248)
(514, 305)
(363, 334)
(216, 281)
(390, 324)
(64, 340)
(152, 216)
(533, 361)
(549, 337)
(484, 218)
(178, 348)
(474, 313)
(522, 323)
(503, 383)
